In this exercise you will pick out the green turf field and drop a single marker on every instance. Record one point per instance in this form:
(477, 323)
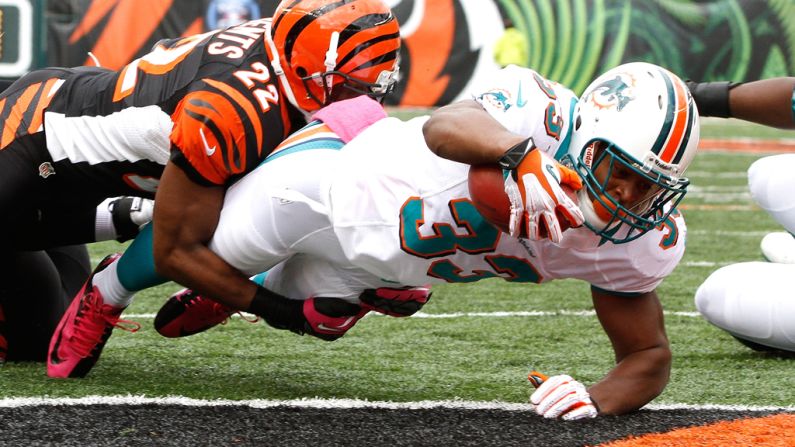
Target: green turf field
(483, 357)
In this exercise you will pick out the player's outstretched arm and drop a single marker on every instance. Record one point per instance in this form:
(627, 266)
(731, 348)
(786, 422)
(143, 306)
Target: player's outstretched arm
(643, 357)
(767, 101)
(466, 133)
(186, 215)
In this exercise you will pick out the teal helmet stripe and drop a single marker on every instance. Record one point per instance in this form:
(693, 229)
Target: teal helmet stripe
(669, 116)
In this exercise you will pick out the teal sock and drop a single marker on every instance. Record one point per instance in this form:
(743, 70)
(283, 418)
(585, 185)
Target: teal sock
(136, 269)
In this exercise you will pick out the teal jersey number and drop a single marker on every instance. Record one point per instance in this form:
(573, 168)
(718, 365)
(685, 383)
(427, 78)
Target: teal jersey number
(479, 237)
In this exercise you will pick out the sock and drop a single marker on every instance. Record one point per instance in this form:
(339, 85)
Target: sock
(137, 264)
(113, 293)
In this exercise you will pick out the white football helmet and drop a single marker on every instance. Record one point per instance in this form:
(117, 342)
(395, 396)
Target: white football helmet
(638, 116)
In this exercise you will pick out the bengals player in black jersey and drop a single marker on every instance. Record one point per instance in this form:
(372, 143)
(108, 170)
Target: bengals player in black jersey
(181, 124)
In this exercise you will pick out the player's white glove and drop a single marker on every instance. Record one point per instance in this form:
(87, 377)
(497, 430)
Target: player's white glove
(534, 190)
(563, 397)
(130, 214)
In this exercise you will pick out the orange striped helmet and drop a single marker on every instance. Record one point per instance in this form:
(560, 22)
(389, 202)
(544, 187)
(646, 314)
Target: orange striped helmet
(333, 49)
(637, 120)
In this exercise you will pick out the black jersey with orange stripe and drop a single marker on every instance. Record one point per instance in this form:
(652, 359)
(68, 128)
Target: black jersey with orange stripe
(218, 89)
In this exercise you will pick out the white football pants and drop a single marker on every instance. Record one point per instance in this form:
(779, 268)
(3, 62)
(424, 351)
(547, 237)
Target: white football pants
(752, 300)
(772, 184)
(276, 219)
(756, 300)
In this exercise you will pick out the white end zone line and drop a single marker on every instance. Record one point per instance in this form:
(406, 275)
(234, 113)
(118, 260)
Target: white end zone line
(318, 403)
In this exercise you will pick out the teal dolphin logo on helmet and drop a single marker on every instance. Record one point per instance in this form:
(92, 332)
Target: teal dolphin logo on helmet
(612, 92)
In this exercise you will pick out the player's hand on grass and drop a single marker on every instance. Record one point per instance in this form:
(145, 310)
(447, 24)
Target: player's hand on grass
(537, 198)
(561, 397)
(396, 302)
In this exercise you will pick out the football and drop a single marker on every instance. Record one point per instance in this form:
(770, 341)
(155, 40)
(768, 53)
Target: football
(487, 192)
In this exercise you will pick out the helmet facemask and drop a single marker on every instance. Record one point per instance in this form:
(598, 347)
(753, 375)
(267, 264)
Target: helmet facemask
(349, 86)
(658, 193)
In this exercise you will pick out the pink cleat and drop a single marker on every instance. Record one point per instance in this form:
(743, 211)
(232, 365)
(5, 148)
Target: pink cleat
(396, 302)
(187, 313)
(330, 318)
(84, 329)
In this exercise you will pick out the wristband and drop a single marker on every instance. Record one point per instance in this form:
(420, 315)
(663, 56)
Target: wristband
(513, 156)
(712, 98)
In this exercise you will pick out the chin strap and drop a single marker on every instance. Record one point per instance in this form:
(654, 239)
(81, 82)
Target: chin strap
(273, 54)
(331, 61)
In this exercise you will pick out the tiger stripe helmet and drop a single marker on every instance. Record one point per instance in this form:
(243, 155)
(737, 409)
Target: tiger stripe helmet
(641, 116)
(333, 49)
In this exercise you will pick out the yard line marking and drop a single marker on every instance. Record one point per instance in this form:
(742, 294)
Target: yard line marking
(495, 314)
(318, 403)
(729, 233)
(717, 207)
(707, 264)
(731, 174)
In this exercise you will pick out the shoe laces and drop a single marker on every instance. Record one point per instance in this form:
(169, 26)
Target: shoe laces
(91, 323)
(218, 310)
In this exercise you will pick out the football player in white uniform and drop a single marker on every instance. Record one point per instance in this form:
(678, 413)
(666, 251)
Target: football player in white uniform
(753, 301)
(333, 220)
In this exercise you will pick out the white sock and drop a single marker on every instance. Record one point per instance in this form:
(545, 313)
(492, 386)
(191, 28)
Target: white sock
(103, 225)
(113, 293)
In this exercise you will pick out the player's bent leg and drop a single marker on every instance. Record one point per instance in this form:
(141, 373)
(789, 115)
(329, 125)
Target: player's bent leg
(187, 313)
(753, 302)
(771, 183)
(35, 290)
(84, 329)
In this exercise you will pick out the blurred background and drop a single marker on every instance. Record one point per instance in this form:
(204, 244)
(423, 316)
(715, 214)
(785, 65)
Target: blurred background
(446, 43)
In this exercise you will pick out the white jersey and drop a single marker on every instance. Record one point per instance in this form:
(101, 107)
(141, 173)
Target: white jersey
(385, 210)
(404, 214)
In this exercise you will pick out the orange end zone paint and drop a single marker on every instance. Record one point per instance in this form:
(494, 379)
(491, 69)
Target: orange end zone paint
(771, 431)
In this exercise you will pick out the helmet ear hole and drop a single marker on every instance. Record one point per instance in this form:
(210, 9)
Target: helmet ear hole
(578, 122)
(301, 71)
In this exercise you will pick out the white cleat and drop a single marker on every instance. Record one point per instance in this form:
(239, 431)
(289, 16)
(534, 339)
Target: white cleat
(779, 247)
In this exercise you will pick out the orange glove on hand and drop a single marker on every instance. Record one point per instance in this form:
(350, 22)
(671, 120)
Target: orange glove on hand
(534, 189)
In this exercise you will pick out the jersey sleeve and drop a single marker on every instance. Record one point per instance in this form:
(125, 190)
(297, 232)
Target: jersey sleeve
(220, 132)
(527, 104)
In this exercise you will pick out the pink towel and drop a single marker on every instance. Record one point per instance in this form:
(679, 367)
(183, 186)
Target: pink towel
(350, 117)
